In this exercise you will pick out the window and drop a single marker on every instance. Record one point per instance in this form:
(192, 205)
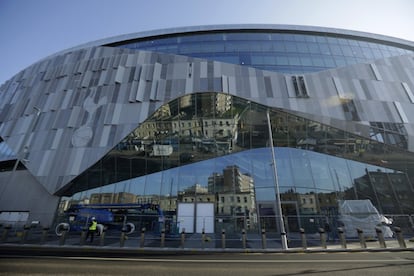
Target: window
(300, 86)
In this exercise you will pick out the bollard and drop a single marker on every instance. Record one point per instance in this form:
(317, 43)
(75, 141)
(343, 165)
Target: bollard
(380, 236)
(65, 231)
(223, 238)
(83, 235)
(123, 236)
(244, 238)
(264, 242)
(182, 238)
(322, 234)
(25, 233)
(303, 237)
(6, 232)
(102, 237)
(342, 238)
(142, 242)
(45, 231)
(162, 237)
(283, 238)
(361, 238)
(400, 237)
(203, 238)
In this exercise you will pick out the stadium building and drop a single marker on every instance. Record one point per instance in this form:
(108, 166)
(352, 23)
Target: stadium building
(186, 119)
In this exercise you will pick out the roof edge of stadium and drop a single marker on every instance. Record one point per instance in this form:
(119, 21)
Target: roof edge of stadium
(238, 27)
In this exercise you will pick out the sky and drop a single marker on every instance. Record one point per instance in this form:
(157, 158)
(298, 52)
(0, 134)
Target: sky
(33, 29)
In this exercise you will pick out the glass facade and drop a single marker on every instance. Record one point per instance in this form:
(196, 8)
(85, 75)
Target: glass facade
(213, 148)
(281, 52)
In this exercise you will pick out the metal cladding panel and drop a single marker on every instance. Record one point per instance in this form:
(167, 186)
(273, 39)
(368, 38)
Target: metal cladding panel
(100, 101)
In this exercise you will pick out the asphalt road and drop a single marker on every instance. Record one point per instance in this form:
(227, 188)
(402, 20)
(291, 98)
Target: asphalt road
(341, 263)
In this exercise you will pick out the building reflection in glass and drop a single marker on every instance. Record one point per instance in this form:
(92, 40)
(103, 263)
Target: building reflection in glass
(213, 148)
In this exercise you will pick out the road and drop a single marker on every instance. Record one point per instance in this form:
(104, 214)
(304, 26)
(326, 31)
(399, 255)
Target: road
(345, 263)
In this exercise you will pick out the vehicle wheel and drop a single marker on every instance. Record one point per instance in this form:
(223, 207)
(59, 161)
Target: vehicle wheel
(130, 228)
(61, 227)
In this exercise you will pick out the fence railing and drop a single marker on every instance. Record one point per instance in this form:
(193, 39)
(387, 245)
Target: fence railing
(220, 240)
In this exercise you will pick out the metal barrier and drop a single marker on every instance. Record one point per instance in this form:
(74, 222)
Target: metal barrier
(341, 235)
(400, 237)
(380, 236)
(45, 231)
(6, 231)
(65, 231)
(244, 240)
(203, 238)
(123, 237)
(102, 237)
(361, 238)
(162, 244)
(83, 235)
(142, 240)
(25, 233)
(303, 238)
(322, 235)
(257, 240)
(182, 238)
(264, 241)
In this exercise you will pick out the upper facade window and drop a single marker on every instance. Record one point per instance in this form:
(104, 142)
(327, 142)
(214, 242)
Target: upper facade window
(282, 52)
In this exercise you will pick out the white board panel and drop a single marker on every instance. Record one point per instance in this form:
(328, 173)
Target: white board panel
(185, 217)
(205, 217)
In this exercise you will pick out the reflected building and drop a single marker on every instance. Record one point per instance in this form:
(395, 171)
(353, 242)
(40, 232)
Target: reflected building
(180, 116)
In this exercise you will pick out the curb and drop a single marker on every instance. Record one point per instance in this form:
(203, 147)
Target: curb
(6, 249)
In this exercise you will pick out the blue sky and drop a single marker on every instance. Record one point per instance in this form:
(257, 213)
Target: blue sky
(33, 29)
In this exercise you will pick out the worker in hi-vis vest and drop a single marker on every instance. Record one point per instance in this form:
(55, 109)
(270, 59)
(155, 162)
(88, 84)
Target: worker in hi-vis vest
(92, 228)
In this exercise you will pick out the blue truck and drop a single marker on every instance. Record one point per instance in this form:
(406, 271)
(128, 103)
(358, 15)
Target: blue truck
(113, 217)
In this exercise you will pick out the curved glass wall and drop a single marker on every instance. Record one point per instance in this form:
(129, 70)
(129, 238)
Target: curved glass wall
(214, 149)
(281, 52)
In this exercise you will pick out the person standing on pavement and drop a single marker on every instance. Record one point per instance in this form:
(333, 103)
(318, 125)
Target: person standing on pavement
(92, 229)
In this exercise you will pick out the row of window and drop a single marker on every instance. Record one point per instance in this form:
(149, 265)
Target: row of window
(287, 53)
(241, 46)
(258, 37)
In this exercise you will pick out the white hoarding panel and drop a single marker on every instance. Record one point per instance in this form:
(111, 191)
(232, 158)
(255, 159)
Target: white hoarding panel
(205, 217)
(185, 217)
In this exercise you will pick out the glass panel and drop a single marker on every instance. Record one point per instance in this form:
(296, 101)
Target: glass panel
(284, 169)
(299, 162)
(403, 191)
(314, 48)
(213, 148)
(320, 171)
(336, 50)
(341, 179)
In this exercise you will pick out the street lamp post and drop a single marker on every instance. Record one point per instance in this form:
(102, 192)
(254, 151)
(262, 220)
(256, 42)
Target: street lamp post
(279, 203)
